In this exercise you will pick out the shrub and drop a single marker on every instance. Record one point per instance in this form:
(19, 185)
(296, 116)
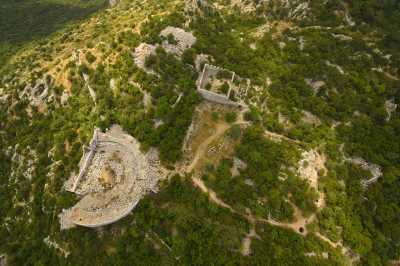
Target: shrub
(90, 57)
(235, 132)
(230, 117)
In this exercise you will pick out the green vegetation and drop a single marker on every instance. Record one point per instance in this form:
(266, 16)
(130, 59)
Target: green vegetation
(25, 21)
(266, 179)
(40, 146)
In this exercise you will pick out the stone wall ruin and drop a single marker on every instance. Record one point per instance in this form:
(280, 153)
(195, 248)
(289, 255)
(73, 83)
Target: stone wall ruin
(235, 83)
(113, 181)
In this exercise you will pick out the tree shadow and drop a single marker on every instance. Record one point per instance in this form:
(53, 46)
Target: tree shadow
(22, 21)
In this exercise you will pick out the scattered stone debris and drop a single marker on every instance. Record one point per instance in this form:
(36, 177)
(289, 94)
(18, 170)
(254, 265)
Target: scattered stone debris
(244, 6)
(249, 182)
(342, 37)
(116, 178)
(23, 163)
(338, 68)
(309, 118)
(302, 43)
(183, 40)
(3, 96)
(113, 85)
(315, 85)
(39, 94)
(298, 12)
(295, 9)
(55, 245)
(64, 97)
(282, 45)
(309, 167)
(237, 165)
(349, 20)
(196, 7)
(324, 255)
(158, 122)
(390, 107)
(375, 170)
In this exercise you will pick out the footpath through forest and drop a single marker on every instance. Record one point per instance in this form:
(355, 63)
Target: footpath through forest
(300, 223)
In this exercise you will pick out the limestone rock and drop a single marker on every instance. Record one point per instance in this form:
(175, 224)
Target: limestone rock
(183, 40)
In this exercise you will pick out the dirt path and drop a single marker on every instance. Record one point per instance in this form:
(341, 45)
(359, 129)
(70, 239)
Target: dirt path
(300, 223)
(202, 149)
(316, 162)
(279, 137)
(199, 183)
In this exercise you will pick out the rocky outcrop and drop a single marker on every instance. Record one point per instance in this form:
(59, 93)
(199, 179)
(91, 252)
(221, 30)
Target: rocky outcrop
(182, 40)
(39, 94)
(193, 7)
(141, 53)
(390, 107)
(113, 2)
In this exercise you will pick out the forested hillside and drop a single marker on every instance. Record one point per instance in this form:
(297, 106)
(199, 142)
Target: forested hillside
(303, 170)
(22, 22)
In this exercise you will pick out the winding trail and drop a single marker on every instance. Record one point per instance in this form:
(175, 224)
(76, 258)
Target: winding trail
(300, 223)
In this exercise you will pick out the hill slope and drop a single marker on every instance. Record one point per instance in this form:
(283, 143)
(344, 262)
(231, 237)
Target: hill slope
(306, 173)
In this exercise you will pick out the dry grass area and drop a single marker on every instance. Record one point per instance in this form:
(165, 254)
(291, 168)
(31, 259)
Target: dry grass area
(95, 31)
(204, 126)
(107, 175)
(220, 148)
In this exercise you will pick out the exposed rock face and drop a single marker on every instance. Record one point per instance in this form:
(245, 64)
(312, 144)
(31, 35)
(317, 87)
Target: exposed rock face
(141, 53)
(118, 176)
(309, 166)
(3, 260)
(39, 94)
(23, 162)
(294, 9)
(390, 107)
(3, 96)
(91, 91)
(64, 97)
(238, 165)
(196, 6)
(315, 85)
(309, 118)
(55, 245)
(113, 2)
(338, 68)
(183, 39)
(375, 170)
(176, 41)
(201, 59)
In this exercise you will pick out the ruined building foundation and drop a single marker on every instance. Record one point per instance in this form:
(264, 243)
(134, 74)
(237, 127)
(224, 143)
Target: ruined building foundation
(114, 175)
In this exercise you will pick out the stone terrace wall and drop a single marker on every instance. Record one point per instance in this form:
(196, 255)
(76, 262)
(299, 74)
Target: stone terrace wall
(217, 98)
